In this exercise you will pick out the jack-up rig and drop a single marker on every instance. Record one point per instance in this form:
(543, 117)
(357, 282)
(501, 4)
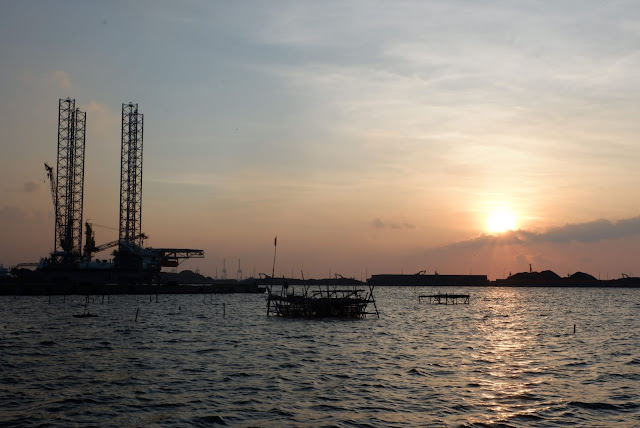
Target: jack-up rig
(68, 189)
(70, 261)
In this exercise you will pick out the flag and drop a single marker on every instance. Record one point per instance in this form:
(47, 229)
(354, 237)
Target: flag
(275, 241)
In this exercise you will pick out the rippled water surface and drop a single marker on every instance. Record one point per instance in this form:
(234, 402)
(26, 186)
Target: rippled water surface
(509, 358)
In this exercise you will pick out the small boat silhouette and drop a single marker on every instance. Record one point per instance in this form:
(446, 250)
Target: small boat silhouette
(85, 313)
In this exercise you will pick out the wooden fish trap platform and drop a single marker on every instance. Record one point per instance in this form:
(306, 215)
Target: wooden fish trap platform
(445, 298)
(324, 302)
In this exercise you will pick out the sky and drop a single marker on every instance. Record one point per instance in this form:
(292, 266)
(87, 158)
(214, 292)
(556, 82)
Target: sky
(369, 136)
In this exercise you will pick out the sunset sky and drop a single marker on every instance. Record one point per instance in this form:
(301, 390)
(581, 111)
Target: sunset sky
(369, 136)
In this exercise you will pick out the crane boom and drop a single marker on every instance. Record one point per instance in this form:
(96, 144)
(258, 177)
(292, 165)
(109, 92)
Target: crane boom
(90, 243)
(52, 180)
(106, 246)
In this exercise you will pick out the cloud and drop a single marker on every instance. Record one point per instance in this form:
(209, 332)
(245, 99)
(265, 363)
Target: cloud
(511, 237)
(593, 231)
(104, 121)
(31, 187)
(28, 187)
(9, 214)
(97, 107)
(15, 215)
(379, 224)
(61, 78)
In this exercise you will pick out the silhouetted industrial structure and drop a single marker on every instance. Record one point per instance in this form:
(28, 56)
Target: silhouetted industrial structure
(133, 263)
(423, 279)
(69, 182)
(131, 175)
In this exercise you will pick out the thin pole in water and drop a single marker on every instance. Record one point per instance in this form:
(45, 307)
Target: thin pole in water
(137, 310)
(275, 249)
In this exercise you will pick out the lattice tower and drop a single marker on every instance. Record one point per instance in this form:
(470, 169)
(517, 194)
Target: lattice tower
(131, 175)
(69, 181)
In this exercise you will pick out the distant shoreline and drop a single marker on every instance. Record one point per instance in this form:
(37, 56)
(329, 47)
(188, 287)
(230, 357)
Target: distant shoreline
(545, 278)
(60, 290)
(188, 282)
(48, 289)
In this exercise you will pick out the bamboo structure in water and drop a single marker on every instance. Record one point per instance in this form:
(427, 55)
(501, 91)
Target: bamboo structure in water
(322, 302)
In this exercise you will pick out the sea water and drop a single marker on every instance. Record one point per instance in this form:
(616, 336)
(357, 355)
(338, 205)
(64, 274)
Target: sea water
(509, 358)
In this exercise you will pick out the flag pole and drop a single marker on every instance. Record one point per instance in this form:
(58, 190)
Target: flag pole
(275, 248)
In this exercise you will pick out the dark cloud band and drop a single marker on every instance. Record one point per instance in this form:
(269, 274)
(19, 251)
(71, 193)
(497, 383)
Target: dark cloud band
(593, 231)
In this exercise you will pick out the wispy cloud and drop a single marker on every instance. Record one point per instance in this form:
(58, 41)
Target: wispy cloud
(15, 215)
(105, 122)
(27, 187)
(9, 214)
(61, 78)
(379, 224)
(31, 187)
(97, 107)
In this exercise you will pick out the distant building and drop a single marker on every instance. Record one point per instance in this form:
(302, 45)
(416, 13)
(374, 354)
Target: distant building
(418, 280)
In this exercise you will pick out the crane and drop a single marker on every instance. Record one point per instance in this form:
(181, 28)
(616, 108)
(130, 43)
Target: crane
(105, 246)
(52, 180)
(89, 251)
(90, 242)
(90, 246)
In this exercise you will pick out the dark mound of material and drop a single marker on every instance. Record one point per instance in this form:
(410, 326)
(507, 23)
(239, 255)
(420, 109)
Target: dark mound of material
(583, 279)
(548, 278)
(545, 278)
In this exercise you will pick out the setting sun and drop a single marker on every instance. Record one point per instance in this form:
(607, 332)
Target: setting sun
(500, 221)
